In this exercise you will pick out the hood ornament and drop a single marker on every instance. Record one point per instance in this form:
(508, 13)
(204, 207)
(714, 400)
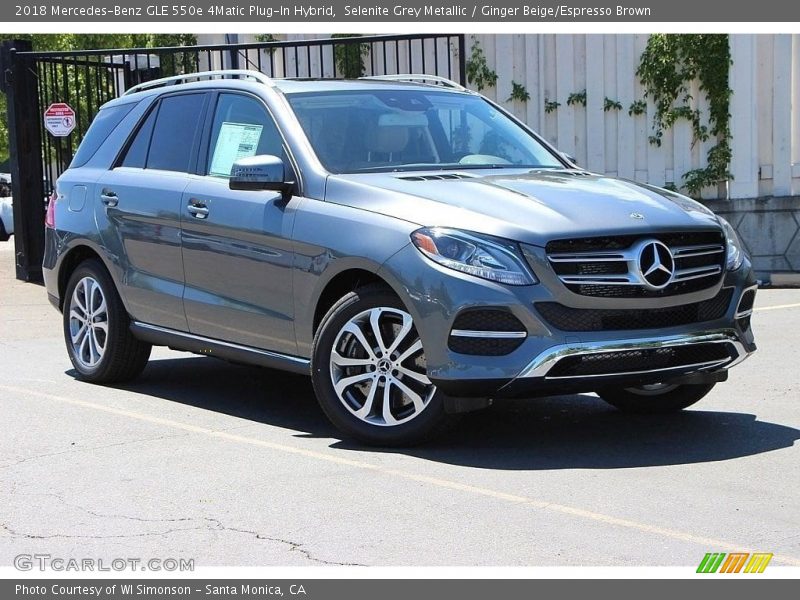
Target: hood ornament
(635, 215)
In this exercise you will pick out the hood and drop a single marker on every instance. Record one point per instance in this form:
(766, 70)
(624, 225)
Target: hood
(527, 206)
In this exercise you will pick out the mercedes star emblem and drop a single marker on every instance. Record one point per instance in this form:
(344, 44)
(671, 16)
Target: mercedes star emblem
(656, 265)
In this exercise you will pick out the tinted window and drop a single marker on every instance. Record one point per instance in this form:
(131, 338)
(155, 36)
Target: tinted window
(391, 130)
(104, 123)
(174, 135)
(136, 156)
(241, 128)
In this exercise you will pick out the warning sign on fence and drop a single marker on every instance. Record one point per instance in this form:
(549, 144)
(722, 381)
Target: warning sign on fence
(59, 119)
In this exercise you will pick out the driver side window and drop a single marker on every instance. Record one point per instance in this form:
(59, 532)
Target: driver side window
(242, 127)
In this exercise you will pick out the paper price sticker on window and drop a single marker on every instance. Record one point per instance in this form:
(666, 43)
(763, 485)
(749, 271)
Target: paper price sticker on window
(235, 141)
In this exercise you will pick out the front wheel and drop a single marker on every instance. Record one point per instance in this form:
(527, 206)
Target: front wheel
(657, 398)
(369, 371)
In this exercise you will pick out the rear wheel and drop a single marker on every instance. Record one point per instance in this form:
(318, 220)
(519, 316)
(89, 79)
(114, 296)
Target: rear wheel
(96, 328)
(657, 398)
(369, 371)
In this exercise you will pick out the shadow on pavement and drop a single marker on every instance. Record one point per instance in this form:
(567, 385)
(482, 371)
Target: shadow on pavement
(565, 432)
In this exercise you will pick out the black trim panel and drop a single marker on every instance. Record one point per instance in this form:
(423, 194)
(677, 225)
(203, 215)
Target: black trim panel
(161, 336)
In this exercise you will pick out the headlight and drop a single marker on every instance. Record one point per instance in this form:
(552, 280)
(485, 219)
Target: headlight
(735, 253)
(492, 259)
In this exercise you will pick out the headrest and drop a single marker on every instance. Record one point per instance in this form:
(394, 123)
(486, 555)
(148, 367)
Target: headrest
(386, 138)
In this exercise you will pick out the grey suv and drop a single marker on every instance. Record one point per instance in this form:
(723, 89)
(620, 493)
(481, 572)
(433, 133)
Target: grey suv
(409, 244)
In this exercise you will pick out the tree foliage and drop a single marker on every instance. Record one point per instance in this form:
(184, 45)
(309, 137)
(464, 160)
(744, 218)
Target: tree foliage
(65, 42)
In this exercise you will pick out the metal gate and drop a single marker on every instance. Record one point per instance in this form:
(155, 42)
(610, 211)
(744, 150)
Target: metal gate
(85, 80)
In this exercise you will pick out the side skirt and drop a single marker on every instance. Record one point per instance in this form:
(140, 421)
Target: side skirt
(179, 340)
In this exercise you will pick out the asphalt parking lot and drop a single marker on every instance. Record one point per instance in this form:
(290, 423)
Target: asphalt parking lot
(232, 465)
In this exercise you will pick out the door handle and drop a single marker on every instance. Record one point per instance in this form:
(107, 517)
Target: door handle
(197, 208)
(109, 198)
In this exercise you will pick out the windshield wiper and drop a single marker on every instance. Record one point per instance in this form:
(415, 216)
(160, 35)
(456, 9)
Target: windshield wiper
(446, 167)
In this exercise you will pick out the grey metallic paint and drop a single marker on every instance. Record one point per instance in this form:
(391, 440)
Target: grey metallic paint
(252, 273)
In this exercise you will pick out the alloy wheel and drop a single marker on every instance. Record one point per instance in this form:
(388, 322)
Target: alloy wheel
(378, 368)
(88, 322)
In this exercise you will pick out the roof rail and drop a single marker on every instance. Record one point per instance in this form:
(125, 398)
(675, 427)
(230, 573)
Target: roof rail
(422, 78)
(203, 75)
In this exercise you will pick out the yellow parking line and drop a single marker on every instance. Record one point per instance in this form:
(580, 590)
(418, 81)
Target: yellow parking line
(777, 307)
(705, 542)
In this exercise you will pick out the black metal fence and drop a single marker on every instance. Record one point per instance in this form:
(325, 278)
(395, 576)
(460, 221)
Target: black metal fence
(87, 79)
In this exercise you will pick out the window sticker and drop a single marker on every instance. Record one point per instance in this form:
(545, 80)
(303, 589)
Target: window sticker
(235, 141)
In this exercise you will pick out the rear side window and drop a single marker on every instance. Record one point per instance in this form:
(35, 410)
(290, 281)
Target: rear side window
(104, 123)
(175, 133)
(136, 156)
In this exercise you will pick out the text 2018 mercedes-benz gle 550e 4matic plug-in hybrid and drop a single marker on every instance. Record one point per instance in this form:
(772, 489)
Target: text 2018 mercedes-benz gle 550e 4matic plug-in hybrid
(404, 241)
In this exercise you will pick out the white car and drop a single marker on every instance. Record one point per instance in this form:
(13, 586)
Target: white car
(6, 207)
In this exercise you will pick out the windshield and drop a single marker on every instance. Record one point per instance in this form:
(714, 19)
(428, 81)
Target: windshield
(405, 130)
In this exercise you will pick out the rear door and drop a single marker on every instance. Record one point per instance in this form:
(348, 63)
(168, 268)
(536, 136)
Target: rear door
(141, 197)
(237, 249)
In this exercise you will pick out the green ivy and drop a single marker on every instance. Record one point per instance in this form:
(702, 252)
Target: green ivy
(637, 107)
(669, 64)
(350, 57)
(478, 72)
(577, 98)
(518, 92)
(267, 38)
(550, 105)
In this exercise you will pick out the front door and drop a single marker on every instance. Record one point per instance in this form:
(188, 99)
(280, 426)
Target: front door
(236, 245)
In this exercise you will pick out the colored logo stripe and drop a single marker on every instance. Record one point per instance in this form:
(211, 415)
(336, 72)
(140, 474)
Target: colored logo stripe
(713, 562)
(758, 562)
(734, 562)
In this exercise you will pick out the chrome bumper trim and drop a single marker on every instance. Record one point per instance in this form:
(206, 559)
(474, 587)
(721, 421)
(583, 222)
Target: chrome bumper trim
(744, 313)
(544, 362)
(495, 335)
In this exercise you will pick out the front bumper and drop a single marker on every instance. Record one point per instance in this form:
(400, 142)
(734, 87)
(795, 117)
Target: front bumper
(550, 360)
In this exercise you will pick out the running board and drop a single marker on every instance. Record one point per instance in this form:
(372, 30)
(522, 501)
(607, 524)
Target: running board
(179, 340)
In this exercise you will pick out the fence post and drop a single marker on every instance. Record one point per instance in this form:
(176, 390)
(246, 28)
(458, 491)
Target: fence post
(25, 150)
(462, 59)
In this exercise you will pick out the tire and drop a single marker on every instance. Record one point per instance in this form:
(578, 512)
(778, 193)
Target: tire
(651, 400)
(415, 408)
(106, 352)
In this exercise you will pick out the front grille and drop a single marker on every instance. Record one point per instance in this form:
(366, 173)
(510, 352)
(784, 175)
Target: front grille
(640, 360)
(491, 321)
(608, 266)
(620, 242)
(567, 318)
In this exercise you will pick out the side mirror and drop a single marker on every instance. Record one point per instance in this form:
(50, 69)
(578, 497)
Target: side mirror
(262, 172)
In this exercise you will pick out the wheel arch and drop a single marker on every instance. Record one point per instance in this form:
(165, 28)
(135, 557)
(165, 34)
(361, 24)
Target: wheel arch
(74, 257)
(339, 285)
